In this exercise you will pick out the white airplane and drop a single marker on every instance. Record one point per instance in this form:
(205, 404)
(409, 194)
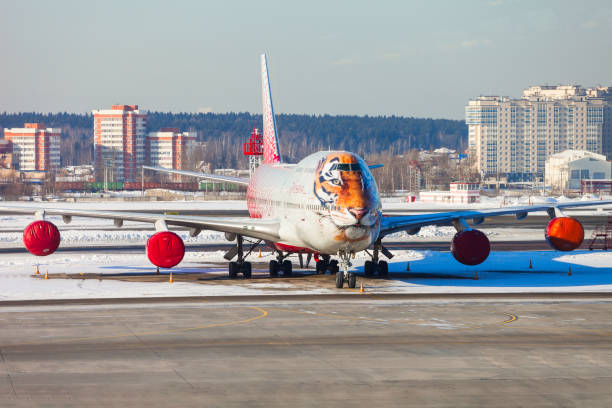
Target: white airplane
(326, 205)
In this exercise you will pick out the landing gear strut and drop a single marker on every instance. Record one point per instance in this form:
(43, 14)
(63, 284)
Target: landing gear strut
(343, 274)
(240, 265)
(372, 267)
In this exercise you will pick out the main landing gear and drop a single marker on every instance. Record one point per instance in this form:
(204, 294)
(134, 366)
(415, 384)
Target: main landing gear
(240, 265)
(343, 274)
(324, 264)
(280, 264)
(375, 266)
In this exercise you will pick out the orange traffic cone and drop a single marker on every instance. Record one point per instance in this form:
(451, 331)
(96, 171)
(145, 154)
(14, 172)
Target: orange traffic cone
(569, 271)
(475, 275)
(407, 266)
(171, 280)
(37, 271)
(259, 256)
(361, 290)
(530, 264)
(47, 274)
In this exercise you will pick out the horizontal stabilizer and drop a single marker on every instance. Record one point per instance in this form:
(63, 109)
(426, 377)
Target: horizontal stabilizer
(214, 177)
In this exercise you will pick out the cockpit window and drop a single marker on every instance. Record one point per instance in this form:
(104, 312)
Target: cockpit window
(348, 166)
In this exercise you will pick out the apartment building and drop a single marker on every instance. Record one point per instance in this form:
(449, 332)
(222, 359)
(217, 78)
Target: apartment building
(34, 147)
(514, 137)
(168, 147)
(119, 141)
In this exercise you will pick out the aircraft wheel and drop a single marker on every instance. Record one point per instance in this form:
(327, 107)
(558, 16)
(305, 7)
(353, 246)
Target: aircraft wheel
(333, 266)
(339, 279)
(274, 266)
(352, 280)
(246, 270)
(383, 269)
(233, 270)
(321, 267)
(369, 268)
(287, 268)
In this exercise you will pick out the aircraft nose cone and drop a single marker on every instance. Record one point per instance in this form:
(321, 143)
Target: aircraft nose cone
(358, 212)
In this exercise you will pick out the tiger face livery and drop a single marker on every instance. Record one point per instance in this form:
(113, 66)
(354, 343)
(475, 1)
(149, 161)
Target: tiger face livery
(342, 187)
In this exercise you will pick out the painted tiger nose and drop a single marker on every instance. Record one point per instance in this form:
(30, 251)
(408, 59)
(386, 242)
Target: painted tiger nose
(358, 212)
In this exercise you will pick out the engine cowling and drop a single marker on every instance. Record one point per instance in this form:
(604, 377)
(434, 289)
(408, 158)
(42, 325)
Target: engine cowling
(564, 233)
(165, 249)
(470, 247)
(41, 238)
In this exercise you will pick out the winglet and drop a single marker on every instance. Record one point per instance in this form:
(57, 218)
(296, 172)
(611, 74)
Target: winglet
(271, 151)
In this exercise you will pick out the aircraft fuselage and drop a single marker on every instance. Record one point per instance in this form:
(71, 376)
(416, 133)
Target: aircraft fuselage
(327, 202)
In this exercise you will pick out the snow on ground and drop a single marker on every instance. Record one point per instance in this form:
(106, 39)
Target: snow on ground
(430, 272)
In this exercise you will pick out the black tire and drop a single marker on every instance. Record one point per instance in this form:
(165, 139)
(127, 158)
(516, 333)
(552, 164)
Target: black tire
(352, 280)
(321, 267)
(233, 270)
(339, 279)
(273, 269)
(246, 270)
(383, 269)
(287, 268)
(368, 268)
(333, 267)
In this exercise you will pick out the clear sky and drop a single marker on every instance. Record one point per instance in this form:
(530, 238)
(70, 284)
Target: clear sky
(423, 59)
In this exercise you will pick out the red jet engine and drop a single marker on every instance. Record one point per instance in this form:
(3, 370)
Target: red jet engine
(41, 238)
(564, 233)
(165, 249)
(470, 247)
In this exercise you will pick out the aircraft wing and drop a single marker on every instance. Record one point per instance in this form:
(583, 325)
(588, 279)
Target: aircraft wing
(250, 227)
(215, 177)
(391, 224)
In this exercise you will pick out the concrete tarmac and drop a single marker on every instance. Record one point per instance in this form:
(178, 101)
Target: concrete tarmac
(309, 352)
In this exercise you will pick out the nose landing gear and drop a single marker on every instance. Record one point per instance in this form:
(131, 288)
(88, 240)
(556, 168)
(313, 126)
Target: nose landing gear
(343, 274)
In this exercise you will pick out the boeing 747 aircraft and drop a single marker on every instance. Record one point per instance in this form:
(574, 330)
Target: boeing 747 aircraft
(327, 205)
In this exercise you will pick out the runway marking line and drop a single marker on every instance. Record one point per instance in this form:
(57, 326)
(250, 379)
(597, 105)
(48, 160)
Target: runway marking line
(263, 314)
(511, 318)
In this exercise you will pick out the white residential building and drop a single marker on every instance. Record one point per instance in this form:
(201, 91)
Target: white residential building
(119, 141)
(514, 137)
(168, 147)
(35, 147)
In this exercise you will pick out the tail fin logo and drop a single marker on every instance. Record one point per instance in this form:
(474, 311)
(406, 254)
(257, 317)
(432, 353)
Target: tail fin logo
(271, 151)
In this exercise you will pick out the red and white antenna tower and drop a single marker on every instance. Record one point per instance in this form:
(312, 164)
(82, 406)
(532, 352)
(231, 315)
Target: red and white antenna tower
(254, 149)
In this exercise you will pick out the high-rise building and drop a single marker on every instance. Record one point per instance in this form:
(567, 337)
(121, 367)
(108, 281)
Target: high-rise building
(34, 147)
(119, 141)
(514, 137)
(168, 147)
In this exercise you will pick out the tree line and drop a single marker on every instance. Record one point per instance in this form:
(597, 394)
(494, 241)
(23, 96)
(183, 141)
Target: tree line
(299, 135)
